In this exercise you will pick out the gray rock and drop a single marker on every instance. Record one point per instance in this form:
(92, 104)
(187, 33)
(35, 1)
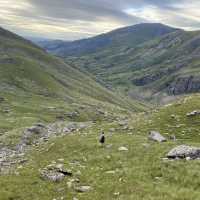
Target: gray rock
(184, 151)
(52, 176)
(83, 189)
(193, 113)
(156, 136)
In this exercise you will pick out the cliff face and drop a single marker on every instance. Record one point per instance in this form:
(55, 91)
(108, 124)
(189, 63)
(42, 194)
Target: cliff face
(184, 85)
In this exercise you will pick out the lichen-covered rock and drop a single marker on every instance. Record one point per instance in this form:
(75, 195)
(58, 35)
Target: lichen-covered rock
(184, 151)
(156, 136)
(53, 176)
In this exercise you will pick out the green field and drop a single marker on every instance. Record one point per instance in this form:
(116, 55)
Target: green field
(139, 173)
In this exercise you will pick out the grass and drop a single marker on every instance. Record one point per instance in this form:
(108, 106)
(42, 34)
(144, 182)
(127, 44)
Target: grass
(140, 173)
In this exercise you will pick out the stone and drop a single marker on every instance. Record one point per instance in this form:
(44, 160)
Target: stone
(156, 136)
(116, 194)
(52, 176)
(61, 160)
(59, 166)
(110, 172)
(55, 172)
(123, 123)
(193, 113)
(184, 151)
(83, 189)
(123, 149)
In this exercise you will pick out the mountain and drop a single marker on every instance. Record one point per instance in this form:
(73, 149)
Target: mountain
(35, 86)
(155, 68)
(128, 36)
(51, 115)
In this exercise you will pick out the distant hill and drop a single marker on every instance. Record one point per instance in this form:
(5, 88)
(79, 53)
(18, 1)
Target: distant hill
(130, 36)
(146, 61)
(29, 74)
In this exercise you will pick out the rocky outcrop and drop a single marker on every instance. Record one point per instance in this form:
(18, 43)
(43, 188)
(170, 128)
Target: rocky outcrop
(183, 85)
(35, 135)
(147, 79)
(184, 151)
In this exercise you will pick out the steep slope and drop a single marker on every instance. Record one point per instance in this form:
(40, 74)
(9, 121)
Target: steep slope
(35, 86)
(157, 69)
(27, 68)
(128, 36)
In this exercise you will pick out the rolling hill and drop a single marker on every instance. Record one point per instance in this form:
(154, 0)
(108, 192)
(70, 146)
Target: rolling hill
(154, 68)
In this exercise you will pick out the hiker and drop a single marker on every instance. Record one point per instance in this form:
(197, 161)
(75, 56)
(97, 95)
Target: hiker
(102, 138)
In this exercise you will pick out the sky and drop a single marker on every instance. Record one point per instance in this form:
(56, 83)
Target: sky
(75, 19)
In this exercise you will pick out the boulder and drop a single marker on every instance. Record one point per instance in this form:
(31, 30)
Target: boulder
(52, 176)
(193, 113)
(156, 136)
(184, 151)
(55, 172)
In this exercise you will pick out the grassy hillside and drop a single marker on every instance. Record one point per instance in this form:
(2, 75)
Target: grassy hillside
(37, 87)
(156, 69)
(127, 36)
(138, 173)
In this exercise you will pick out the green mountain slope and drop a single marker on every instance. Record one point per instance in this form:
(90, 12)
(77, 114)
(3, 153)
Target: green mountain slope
(157, 69)
(128, 36)
(35, 86)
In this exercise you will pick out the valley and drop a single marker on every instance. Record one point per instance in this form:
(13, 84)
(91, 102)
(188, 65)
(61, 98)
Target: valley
(139, 85)
(164, 64)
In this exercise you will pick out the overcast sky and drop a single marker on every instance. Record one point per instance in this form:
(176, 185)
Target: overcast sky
(74, 19)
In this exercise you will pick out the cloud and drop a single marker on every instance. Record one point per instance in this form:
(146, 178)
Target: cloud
(67, 19)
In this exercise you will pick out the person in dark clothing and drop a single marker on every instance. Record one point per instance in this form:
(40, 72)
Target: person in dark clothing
(102, 138)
